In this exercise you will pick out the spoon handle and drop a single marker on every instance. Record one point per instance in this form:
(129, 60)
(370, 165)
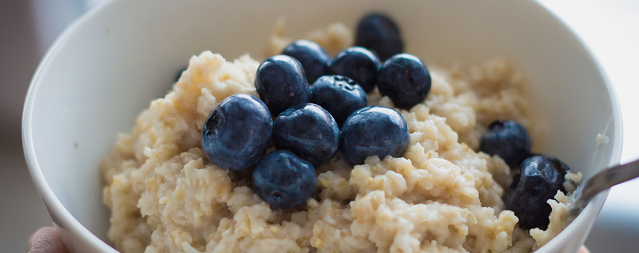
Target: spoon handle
(601, 181)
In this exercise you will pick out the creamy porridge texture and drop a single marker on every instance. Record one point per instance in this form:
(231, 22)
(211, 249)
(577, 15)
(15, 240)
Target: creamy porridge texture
(441, 196)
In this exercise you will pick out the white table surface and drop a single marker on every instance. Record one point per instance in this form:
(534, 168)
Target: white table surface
(609, 27)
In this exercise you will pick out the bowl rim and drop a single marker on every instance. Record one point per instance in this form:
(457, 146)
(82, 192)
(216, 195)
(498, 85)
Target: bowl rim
(594, 206)
(62, 218)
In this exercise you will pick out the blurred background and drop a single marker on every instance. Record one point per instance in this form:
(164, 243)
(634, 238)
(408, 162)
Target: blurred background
(28, 28)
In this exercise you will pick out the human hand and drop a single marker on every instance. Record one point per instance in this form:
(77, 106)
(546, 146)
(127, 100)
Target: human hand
(47, 240)
(583, 250)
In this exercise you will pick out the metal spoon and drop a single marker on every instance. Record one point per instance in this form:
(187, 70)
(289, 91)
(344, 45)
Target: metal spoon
(601, 181)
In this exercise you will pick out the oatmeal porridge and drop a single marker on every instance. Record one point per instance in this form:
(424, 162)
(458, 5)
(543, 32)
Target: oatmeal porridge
(442, 195)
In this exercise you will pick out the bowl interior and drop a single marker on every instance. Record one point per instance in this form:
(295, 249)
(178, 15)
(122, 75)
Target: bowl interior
(109, 65)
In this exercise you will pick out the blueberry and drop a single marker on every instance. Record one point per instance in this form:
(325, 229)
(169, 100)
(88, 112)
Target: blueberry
(359, 64)
(379, 33)
(405, 80)
(307, 130)
(284, 180)
(312, 57)
(559, 164)
(537, 181)
(237, 132)
(373, 130)
(281, 83)
(339, 95)
(507, 139)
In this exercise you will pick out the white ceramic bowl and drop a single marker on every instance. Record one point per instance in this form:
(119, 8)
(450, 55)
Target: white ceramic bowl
(107, 66)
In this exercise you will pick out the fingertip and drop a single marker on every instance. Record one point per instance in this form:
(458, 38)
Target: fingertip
(46, 240)
(30, 239)
(583, 249)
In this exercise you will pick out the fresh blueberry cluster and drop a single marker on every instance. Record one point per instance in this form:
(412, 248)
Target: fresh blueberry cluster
(307, 119)
(309, 125)
(306, 129)
(537, 177)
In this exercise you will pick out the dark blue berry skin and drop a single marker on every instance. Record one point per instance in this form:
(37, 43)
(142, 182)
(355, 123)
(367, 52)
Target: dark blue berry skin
(339, 95)
(237, 132)
(507, 139)
(559, 165)
(281, 83)
(405, 80)
(313, 58)
(373, 130)
(359, 64)
(379, 33)
(284, 180)
(309, 131)
(537, 181)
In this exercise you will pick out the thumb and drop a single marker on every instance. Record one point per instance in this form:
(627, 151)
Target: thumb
(583, 250)
(46, 240)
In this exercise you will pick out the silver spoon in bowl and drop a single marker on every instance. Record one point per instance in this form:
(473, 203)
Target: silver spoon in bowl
(601, 181)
